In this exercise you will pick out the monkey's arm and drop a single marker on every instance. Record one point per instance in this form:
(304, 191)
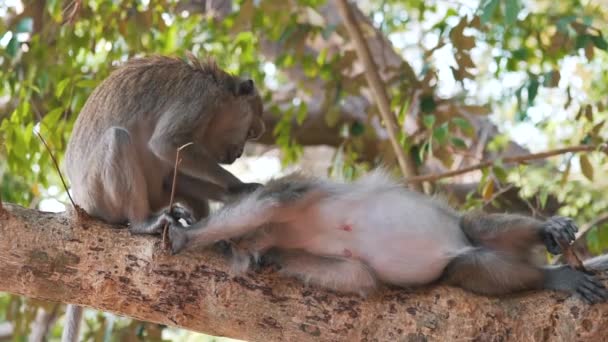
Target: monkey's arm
(262, 207)
(517, 232)
(170, 134)
(201, 189)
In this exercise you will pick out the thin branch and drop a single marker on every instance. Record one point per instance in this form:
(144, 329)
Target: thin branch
(498, 194)
(517, 159)
(65, 186)
(177, 161)
(406, 163)
(585, 228)
(70, 11)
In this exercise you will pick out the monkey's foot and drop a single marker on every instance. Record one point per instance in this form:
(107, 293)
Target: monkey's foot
(153, 225)
(178, 238)
(558, 229)
(178, 212)
(269, 259)
(590, 289)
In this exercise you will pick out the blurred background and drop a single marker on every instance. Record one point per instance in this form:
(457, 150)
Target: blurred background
(468, 80)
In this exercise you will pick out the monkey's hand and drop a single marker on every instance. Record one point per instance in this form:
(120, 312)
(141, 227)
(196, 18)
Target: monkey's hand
(558, 229)
(178, 212)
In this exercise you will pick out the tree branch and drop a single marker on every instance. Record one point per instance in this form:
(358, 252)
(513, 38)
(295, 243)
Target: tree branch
(406, 162)
(52, 257)
(508, 160)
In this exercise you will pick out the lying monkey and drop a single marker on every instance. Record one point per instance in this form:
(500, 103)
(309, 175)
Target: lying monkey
(350, 236)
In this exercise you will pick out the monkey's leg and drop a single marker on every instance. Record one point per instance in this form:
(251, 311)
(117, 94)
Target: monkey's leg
(123, 183)
(517, 233)
(242, 217)
(251, 247)
(230, 221)
(491, 273)
(343, 275)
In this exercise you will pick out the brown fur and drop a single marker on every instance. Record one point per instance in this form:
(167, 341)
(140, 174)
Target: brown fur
(123, 146)
(144, 111)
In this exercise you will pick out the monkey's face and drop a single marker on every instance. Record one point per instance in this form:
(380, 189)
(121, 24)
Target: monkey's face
(233, 126)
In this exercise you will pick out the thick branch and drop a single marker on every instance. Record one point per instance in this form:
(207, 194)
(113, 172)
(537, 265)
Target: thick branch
(507, 160)
(406, 162)
(47, 256)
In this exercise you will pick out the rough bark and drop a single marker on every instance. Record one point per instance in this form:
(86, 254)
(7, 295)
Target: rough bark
(49, 256)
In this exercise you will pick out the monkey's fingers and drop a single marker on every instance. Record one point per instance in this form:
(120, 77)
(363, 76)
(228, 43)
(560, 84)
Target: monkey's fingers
(178, 212)
(178, 238)
(154, 225)
(567, 227)
(557, 231)
(592, 291)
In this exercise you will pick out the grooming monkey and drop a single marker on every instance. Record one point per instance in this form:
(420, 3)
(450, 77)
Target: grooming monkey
(351, 237)
(122, 151)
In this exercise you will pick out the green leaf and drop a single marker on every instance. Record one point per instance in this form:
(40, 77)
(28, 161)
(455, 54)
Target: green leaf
(25, 25)
(51, 118)
(12, 47)
(488, 190)
(599, 42)
(511, 11)
(544, 195)
(532, 90)
(488, 10)
(500, 173)
(427, 104)
(357, 129)
(428, 121)
(441, 133)
(61, 87)
(86, 84)
(586, 167)
(458, 143)
(464, 125)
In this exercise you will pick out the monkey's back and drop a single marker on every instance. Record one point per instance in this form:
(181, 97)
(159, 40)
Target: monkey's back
(136, 94)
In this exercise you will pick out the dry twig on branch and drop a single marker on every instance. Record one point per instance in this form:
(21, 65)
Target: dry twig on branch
(507, 160)
(173, 183)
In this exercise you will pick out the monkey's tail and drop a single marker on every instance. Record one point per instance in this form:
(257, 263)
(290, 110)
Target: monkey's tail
(597, 264)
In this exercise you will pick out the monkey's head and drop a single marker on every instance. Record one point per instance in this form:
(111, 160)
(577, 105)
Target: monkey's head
(238, 121)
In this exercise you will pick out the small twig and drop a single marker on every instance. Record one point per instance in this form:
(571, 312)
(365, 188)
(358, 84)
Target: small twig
(71, 16)
(498, 194)
(2, 210)
(585, 228)
(406, 163)
(517, 159)
(58, 170)
(570, 256)
(175, 167)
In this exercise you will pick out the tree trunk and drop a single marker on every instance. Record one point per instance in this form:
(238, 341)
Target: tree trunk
(52, 257)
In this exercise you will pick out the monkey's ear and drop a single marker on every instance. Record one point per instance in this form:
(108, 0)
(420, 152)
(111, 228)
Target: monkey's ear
(245, 88)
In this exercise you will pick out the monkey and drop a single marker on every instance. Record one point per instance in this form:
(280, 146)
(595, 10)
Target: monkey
(121, 153)
(352, 237)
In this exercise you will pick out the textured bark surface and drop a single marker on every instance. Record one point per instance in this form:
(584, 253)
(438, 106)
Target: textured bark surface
(52, 257)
